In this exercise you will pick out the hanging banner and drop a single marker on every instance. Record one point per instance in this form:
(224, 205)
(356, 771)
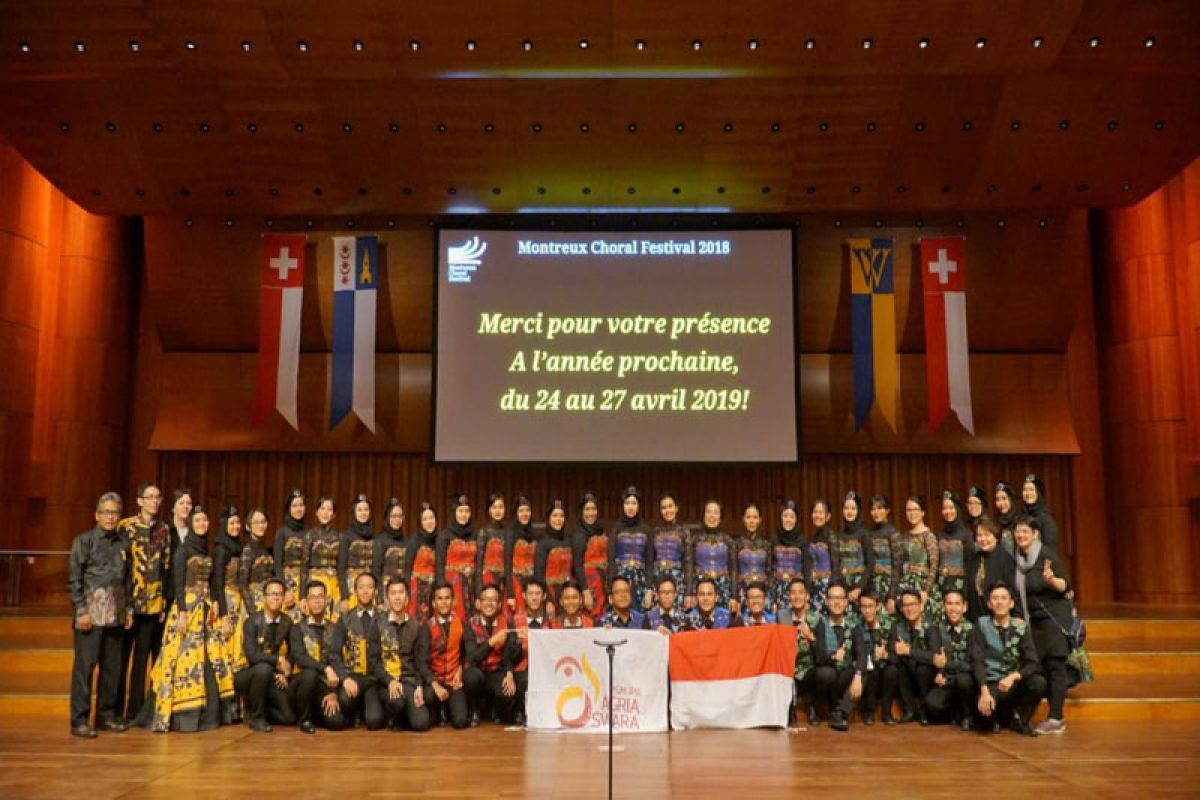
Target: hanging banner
(943, 275)
(873, 328)
(352, 382)
(279, 327)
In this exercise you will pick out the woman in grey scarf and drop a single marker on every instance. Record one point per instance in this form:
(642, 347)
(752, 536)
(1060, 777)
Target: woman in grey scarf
(1042, 586)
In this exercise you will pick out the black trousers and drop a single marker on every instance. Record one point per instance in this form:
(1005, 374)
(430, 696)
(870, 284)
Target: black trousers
(404, 712)
(98, 647)
(833, 689)
(954, 701)
(306, 692)
(365, 705)
(1055, 669)
(1021, 699)
(804, 691)
(879, 688)
(522, 680)
(915, 679)
(142, 642)
(486, 687)
(262, 697)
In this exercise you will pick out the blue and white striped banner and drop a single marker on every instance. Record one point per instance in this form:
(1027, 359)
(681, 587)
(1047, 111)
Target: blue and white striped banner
(352, 388)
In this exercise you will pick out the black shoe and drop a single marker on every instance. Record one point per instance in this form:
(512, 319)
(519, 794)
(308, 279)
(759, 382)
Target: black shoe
(814, 719)
(474, 721)
(308, 727)
(868, 718)
(260, 725)
(1022, 727)
(114, 725)
(888, 719)
(838, 722)
(906, 717)
(966, 724)
(922, 718)
(83, 731)
(519, 720)
(995, 726)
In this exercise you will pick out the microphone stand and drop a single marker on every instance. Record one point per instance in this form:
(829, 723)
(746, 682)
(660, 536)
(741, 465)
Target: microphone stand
(611, 649)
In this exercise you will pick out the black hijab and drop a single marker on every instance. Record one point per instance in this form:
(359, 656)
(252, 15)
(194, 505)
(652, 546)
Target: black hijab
(291, 522)
(795, 536)
(594, 528)
(360, 529)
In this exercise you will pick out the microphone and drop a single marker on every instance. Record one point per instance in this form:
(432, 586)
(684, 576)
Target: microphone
(599, 643)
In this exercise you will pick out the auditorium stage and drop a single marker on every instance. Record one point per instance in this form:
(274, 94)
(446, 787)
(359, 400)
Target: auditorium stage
(1093, 759)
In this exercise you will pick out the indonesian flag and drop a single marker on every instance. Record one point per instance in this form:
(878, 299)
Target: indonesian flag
(279, 327)
(943, 271)
(733, 678)
(355, 274)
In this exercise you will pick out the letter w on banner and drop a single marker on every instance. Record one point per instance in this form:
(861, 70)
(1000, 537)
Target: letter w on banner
(943, 274)
(873, 327)
(355, 268)
(279, 327)
(735, 678)
(569, 686)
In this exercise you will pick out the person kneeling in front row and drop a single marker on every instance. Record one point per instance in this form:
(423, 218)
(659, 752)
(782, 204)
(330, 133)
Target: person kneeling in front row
(1005, 665)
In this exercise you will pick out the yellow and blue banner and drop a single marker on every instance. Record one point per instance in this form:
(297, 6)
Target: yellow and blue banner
(873, 328)
(352, 387)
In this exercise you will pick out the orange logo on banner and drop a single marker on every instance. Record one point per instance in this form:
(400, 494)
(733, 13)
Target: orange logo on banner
(576, 669)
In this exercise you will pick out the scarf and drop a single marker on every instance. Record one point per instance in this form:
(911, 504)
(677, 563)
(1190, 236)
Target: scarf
(1024, 564)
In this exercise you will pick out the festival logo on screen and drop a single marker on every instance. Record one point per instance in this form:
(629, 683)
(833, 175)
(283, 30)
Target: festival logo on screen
(463, 259)
(582, 703)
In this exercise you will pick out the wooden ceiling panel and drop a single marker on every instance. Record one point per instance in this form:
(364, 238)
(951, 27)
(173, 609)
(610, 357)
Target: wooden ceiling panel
(775, 95)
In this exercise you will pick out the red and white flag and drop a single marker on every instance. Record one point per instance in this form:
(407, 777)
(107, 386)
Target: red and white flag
(279, 327)
(733, 678)
(943, 274)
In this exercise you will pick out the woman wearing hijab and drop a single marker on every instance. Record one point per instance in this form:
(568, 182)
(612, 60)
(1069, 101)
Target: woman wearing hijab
(387, 560)
(456, 555)
(227, 589)
(669, 548)
(753, 552)
(192, 681)
(976, 507)
(356, 551)
(990, 564)
(589, 544)
(1033, 494)
(787, 556)
(1042, 583)
(257, 563)
(954, 546)
(714, 556)
(916, 561)
(420, 562)
(291, 554)
(884, 542)
(1006, 511)
(553, 561)
(822, 556)
(629, 548)
(322, 545)
(520, 554)
(491, 547)
(856, 556)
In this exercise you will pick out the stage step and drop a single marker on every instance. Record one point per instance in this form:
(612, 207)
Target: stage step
(42, 631)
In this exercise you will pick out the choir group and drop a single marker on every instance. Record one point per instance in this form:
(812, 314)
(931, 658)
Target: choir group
(331, 628)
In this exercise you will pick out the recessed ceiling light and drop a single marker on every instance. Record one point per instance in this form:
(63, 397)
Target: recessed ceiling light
(640, 44)
(727, 127)
(697, 44)
(631, 127)
(867, 44)
(441, 127)
(1125, 187)
(919, 127)
(1112, 125)
(752, 44)
(1043, 222)
(359, 45)
(80, 47)
(680, 127)
(228, 222)
(347, 127)
(414, 45)
(189, 45)
(810, 190)
(1149, 42)
(157, 127)
(302, 46)
(1037, 41)
(299, 127)
(1160, 124)
(871, 127)
(205, 127)
(189, 222)
(1094, 41)
(470, 44)
(247, 47)
(1015, 125)
(1064, 124)
(65, 127)
(980, 43)
(135, 45)
(253, 128)
(855, 189)
(583, 44)
(24, 47)
(489, 128)
(527, 45)
(967, 126)
(1000, 223)
(923, 42)
(537, 127)
(394, 127)
(823, 127)
(775, 126)
(391, 223)
(584, 127)
(111, 127)
(810, 43)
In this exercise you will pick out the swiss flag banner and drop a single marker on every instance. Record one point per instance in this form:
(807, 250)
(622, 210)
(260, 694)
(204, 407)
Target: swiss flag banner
(279, 327)
(943, 276)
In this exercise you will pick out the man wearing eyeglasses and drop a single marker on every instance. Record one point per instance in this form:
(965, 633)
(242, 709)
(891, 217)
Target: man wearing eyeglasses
(100, 585)
(149, 555)
(263, 669)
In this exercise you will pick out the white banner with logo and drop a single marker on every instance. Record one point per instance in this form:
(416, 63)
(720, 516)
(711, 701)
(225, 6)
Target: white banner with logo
(569, 682)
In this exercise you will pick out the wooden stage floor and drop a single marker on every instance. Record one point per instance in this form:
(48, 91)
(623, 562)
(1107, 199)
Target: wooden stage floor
(1094, 759)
